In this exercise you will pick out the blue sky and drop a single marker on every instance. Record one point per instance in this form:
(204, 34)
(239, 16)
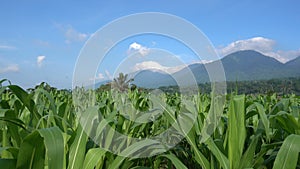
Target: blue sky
(41, 40)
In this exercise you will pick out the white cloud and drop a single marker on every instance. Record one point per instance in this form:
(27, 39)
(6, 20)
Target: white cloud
(10, 68)
(108, 75)
(289, 55)
(139, 48)
(100, 76)
(151, 65)
(71, 34)
(263, 45)
(258, 43)
(6, 47)
(40, 59)
(202, 61)
(135, 46)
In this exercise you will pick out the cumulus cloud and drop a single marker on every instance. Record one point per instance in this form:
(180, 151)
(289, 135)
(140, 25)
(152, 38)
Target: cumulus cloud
(40, 59)
(258, 43)
(139, 48)
(288, 55)
(263, 45)
(10, 68)
(151, 65)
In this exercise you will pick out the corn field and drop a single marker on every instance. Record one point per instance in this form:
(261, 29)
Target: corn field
(40, 129)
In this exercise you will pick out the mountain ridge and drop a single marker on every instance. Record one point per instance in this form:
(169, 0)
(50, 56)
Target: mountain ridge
(242, 65)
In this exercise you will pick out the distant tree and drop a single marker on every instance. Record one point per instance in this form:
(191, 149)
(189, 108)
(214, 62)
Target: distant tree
(122, 82)
(104, 87)
(133, 87)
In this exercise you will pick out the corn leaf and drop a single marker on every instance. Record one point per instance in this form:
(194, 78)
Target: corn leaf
(175, 161)
(237, 130)
(287, 156)
(78, 148)
(32, 152)
(54, 143)
(93, 157)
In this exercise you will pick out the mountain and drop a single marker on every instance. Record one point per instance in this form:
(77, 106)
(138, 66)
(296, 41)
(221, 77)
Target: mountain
(252, 65)
(238, 66)
(97, 85)
(243, 65)
(293, 67)
(153, 79)
(294, 62)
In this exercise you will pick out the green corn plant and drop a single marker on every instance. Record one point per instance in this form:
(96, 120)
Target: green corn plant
(40, 129)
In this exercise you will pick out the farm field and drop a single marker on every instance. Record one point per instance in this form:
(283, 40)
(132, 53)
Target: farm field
(41, 129)
(150, 85)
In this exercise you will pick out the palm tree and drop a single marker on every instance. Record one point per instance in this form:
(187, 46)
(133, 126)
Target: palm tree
(122, 82)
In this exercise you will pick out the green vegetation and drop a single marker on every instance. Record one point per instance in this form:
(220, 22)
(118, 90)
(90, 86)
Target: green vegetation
(281, 87)
(122, 82)
(40, 129)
